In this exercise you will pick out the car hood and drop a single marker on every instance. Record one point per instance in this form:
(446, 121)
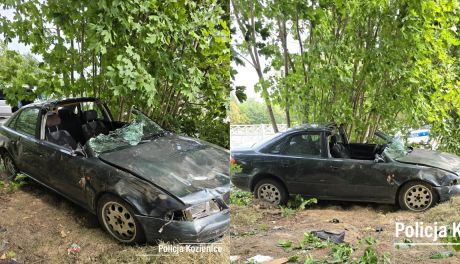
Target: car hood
(436, 159)
(190, 169)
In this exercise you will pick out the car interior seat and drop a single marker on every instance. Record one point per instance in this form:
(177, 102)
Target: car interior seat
(297, 146)
(71, 123)
(56, 135)
(338, 150)
(93, 127)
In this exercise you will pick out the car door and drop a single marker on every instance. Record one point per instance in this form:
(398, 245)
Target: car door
(66, 171)
(24, 142)
(301, 162)
(361, 180)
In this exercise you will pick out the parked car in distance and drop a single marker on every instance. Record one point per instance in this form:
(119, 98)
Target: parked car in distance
(5, 109)
(419, 136)
(318, 161)
(144, 183)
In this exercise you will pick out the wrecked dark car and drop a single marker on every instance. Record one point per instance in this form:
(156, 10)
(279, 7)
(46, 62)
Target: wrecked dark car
(318, 161)
(144, 184)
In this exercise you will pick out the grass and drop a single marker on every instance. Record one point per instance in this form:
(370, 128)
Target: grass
(146, 255)
(13, 186)
(298, 203)
(339, 253)
(446, 213)
(241, 198)
(245, 216)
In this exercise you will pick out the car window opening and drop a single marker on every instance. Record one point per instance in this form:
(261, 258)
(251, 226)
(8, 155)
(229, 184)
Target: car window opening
(88, 124)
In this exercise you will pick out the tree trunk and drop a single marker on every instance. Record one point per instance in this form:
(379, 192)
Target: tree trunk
(283, 38)
(253, 52)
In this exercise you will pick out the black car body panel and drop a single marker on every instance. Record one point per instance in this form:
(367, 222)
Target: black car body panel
(166, 174)
(182, 168)
(359, 178)
(435, 159)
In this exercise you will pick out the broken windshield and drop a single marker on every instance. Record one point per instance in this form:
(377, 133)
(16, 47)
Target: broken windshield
(396, 148)
(141, 128)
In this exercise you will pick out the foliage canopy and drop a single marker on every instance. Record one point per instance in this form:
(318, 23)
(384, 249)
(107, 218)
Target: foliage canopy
(388, 65)
(169, 58)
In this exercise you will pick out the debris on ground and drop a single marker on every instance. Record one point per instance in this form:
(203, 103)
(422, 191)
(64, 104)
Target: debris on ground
(63, 234)
(259, 259)
(9, 255)
(442, 255)
(262, 204)
(326, 235)
(278, 228)
(379, 229)
(334, 221)
(74, 249)
(3, 245)
(277, 261)
(235, 258)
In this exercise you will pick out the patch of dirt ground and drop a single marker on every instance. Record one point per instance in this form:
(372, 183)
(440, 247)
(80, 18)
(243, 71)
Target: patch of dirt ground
(256, 230)
(39, 226)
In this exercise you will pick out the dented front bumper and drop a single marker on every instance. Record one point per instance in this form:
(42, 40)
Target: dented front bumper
(206, 229)
(446, 192)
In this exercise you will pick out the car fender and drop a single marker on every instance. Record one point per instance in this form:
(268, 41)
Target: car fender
(145, 198)
(433, 176)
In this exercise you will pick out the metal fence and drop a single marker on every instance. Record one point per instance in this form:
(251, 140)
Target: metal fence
(248, 135)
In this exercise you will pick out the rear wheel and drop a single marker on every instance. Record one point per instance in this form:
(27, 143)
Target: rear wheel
(10, 168)
(118, 219)
(417, 196)
(271, 191)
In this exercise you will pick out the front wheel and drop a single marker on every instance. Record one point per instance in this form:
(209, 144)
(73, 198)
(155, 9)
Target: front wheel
(417, 196)
(118, 219)
(271, 191)
(10, 168)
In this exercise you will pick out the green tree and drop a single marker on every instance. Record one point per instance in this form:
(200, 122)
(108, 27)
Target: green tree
(169, 58)
(388, 65)
(255, 112)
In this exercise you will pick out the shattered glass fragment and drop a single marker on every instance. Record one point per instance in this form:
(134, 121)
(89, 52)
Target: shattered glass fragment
(141, 128)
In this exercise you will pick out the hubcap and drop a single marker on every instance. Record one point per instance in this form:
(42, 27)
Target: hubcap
(9, 167)
(119, 221)
(269, 193)
(418, 197)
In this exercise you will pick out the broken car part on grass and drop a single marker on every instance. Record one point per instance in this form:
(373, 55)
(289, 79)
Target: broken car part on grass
(144, 183)
(318, 161)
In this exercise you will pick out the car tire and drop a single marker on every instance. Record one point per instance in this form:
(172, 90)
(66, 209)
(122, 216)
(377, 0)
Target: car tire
(417, 196)
(10, 167)
(118, 218)
(271, 191)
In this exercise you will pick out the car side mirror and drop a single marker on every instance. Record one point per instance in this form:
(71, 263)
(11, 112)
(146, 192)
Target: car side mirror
(378, 159)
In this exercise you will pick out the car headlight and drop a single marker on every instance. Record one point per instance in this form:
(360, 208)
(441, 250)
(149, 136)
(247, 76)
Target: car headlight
(202, 210)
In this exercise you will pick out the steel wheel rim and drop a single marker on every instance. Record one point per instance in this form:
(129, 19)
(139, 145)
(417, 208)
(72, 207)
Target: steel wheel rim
(119, 221)
(269, 193)
(9, 167)
(418, 197)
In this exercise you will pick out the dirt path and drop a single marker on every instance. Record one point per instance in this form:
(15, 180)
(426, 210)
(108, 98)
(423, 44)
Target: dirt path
(256, 231)
(39, 226)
